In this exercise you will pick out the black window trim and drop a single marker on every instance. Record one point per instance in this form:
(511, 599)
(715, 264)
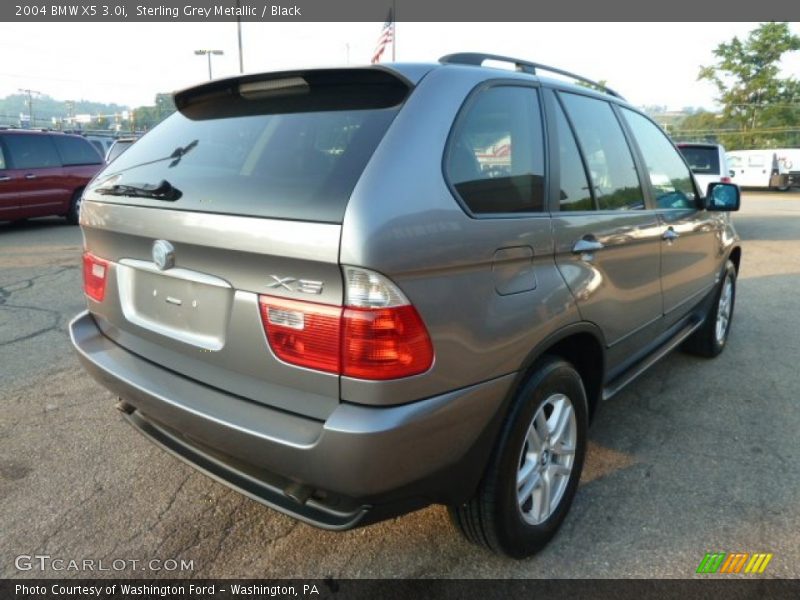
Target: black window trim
(455, 128)
(634, 150)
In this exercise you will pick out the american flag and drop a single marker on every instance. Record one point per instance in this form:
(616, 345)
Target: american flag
(386, 37)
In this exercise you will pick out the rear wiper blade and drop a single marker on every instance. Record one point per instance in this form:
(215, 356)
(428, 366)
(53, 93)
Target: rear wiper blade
(163, 191)
(175, 156)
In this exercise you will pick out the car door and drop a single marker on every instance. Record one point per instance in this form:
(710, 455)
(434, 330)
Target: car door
(607, 240)
(689, 246)
(37, 183)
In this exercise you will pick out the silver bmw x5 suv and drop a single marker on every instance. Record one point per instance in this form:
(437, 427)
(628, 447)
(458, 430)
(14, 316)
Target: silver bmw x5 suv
(351, 293)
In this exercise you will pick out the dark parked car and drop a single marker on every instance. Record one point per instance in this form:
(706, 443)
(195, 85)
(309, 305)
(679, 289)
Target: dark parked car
(350, 293)
(44, 173)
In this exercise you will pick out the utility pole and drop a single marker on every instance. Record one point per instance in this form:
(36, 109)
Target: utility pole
(239, 33)
(30, 102)
(208, 53)
(70, 105)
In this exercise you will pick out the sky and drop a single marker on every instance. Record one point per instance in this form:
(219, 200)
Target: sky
(128, 63)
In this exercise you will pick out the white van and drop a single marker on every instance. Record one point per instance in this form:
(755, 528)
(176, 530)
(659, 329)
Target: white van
(777, 168)
(707, 162)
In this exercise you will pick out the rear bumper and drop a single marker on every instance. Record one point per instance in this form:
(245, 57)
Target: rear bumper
(359, 465)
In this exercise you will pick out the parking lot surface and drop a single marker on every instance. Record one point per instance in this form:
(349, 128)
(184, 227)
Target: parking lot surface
(696, 456)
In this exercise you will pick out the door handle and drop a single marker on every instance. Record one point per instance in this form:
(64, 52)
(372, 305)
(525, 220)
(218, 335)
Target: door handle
(587, 245)
(5, 178)
(670, 235)
(30, 176)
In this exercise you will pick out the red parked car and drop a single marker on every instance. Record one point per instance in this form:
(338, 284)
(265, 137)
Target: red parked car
(44, 173)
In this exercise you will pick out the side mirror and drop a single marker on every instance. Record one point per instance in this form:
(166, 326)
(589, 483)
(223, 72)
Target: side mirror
(722, 197)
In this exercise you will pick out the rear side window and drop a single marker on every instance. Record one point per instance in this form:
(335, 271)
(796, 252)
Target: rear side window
(609, 159)
(31, 151)
(288, 149)
(574, 193)
(2, 159)
(702, 159)
(671, 180)
(76, 151)
(495, 157)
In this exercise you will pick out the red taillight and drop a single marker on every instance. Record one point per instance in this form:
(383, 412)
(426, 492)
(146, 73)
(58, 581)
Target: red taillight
(365, 342)
(303, 333)
(95, 273)
(725, 180)
(384, 343)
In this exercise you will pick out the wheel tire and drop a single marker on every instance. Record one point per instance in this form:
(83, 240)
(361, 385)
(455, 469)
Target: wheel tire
(74, 213)
(494, 517)
(708, 341)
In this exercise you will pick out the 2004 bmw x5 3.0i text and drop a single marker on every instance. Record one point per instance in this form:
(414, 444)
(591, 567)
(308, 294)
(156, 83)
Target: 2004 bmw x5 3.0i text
(351, 293)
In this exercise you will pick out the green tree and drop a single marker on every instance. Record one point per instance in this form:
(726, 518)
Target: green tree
(746, 75)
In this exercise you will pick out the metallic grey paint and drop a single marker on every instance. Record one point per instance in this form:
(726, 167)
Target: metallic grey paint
(493, 292)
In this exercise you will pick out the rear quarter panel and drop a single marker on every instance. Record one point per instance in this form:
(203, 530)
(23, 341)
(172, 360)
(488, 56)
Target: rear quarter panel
(404, 222)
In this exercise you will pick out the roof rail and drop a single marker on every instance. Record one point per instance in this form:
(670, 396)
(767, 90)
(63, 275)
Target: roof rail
(478, 58)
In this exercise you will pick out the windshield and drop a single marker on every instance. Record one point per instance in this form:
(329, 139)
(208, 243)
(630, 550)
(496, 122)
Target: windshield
(298, 165)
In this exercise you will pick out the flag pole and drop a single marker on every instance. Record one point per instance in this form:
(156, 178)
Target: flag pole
(394, 26)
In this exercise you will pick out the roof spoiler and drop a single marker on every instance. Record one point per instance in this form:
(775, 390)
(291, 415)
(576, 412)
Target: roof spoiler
(294, 91)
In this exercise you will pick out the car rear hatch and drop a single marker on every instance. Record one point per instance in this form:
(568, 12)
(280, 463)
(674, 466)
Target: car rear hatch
(240, 193)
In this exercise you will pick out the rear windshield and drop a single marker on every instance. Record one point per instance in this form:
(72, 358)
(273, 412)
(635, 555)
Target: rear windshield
(701, 159)
(298, 162)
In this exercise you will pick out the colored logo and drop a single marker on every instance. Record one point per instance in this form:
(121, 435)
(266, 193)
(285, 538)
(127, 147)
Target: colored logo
(734, 562)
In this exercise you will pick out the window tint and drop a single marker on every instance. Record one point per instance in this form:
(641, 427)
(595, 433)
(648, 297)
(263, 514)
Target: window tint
(31, 151)
(671, 180)
(76, 151)
(574, 193)
(495, 159)
(301, 165)
(611, 166)
(701, 159)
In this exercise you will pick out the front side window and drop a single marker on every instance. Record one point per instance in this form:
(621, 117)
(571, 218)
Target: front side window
(495, 159)
(32, 151)
(609, 159)
(669, 176)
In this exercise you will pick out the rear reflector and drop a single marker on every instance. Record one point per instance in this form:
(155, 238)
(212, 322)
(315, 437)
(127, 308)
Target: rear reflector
(725, 180)
(378, 335)
(95, 273)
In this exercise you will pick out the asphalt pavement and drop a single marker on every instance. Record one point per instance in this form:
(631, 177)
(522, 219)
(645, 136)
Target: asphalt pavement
(696, 456)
